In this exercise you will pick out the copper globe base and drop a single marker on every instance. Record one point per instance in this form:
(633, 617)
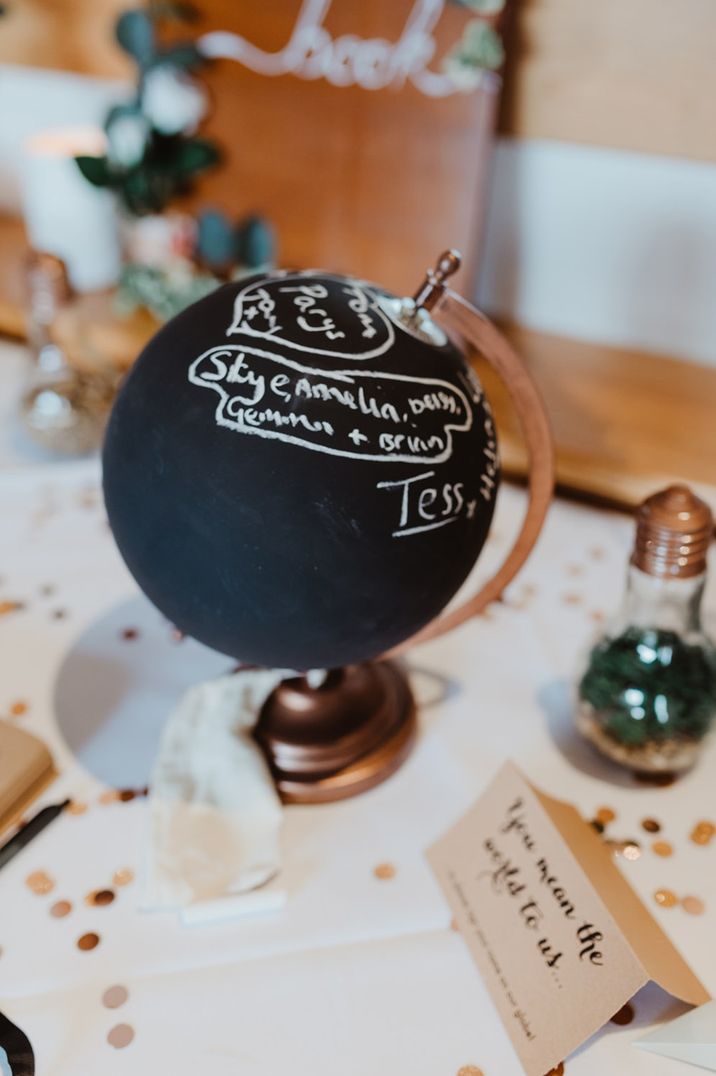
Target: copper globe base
(338, 739)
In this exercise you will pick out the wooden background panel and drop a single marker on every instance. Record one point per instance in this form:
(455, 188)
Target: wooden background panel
(69, 35)
(630, 74)
(373, 182)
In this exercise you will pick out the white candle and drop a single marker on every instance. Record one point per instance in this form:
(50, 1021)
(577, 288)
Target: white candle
(66, 215)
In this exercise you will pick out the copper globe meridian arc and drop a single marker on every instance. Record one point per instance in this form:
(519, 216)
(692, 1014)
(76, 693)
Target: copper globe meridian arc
(299, 508)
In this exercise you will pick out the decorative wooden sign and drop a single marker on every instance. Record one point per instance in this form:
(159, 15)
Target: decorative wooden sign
(343, 125)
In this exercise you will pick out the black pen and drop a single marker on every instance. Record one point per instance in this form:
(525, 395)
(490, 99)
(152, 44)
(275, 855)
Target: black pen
(30, 830)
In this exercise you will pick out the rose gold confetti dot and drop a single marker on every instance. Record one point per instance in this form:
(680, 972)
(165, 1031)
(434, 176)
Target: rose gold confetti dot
(18, 708)
(123, 876)
(631, 850)
(129, 634)
(470, 1070)
(76, 807)
(40, 882)
(10, 607)
(597, 616)
(650, 825)
(693, 905)
(605, 815)
(126, 794)
(177, 635)
(453, 925)
(665, 898)
(99, 898)
(60, 909)
(114, 996)
(575, 570)
(596, 553)
(88, 941)
(110, 795)
(120, 1036)
(384, 871)
(624, 1016)
(703, 832)
(662, 848)
(572, 599)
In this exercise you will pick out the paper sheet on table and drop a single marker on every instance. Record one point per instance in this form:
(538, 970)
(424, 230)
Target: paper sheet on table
(690, 1038)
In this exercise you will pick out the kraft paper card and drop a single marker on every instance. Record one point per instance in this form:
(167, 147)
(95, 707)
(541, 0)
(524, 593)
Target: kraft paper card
(560, 938)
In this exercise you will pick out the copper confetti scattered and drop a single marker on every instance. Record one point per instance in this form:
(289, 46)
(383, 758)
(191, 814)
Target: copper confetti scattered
(18, 708)
(114, 996)
(127, 794)
(575, 570)
(76, 807)
(605, 815)
(703, 832)
(597, 616)
(10, 607)
(665, 898)
(123, 876)
(572, 599)
(99, 898)
(110, 795)
(40, 882)
(631, 850)
(384, 871)
(129, 634)
(88, 941)
(178, 636)
(59, 614)
(453, 924)
(624, 1016)
(662, 848)
(120, 1036)
(693, 905)
(558, 1070)
(60, 909)
(470, 1070)
(596, 553)
(650, 825)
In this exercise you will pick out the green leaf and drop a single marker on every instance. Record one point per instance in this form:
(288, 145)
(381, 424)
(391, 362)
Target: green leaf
(193, 155)
(483, 7)
(135, 33)
(185, 55)
(215, 239)
(255, 242)
(96, 170)
(481, 46)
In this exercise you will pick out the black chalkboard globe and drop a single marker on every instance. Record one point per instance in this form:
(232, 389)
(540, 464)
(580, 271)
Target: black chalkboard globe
(295, 477)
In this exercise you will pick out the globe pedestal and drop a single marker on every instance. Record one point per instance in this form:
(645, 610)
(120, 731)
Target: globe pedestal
(340, 738)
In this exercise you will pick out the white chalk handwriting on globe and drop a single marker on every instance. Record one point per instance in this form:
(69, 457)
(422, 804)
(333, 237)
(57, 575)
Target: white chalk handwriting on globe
(299, 311)
(360, 414)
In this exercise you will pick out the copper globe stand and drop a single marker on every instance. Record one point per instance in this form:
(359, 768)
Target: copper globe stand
(339, 738)
(354, 730)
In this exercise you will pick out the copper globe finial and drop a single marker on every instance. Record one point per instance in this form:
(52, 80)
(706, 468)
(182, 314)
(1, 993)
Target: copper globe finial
(674, 528)
(433, 286)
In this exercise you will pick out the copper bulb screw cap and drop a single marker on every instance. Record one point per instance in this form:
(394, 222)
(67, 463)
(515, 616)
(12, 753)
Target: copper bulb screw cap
(673, 532)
